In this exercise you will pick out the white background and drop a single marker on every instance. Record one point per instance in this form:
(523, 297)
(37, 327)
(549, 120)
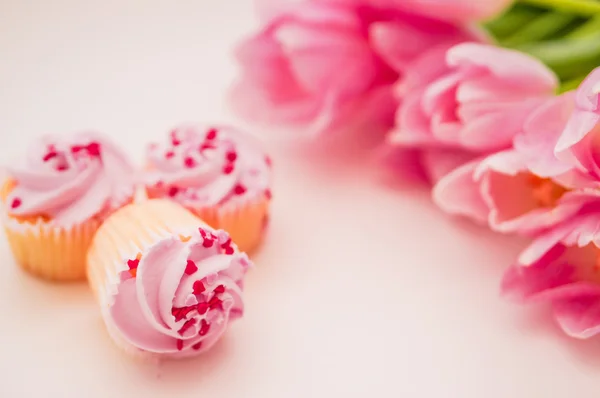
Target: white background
(362, 288)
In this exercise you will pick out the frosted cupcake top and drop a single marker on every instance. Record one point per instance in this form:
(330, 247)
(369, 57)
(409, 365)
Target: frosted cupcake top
(205, 167)
(70, 179)
(178, 296)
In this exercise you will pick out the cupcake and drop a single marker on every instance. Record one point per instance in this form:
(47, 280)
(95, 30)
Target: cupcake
(219, 174)
(168, 285)
(55, 198)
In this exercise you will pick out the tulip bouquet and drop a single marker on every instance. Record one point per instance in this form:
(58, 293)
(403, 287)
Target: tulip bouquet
(493, 103)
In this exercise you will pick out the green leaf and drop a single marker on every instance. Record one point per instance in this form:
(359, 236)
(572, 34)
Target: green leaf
(571, 84)
(512, 20)
(568, 58)
(581, 7)
(589, 28)
(542, 27)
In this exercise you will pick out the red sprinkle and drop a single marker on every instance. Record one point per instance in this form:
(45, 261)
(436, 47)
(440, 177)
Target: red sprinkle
(204, 327)
(202, 308)
(239, 189)
(228, 169)
(208, 239)
(174, 140)
(189, 162)
(268, 194)
(76, 148)
(176, 312)
(179, 344)
(169, 154)
(206, 146)
(227, 247)
(208, 242)
(133, 263)
(188, 324)
(268, 161)
(173, 191)
(93, 149)
(231, 156)
(15, 203)
(190, 267)
(198, 287)
(215, 303)
(181, 312)
(62, 167)
(197, 346)
(212, 134)
(50, 155)
(219, 289)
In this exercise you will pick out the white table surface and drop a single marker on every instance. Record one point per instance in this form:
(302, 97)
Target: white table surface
(362, 289)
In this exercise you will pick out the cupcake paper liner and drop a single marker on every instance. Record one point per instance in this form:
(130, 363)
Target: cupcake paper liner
(245, 224)
(50, 252)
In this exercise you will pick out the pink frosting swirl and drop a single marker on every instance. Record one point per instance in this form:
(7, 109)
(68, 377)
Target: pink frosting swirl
(178, 298)
(70, 179)
(203, 167)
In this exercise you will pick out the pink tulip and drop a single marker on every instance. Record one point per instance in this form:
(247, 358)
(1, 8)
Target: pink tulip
(502, 192)
(472, 98)
(564, 134)
(562, 267)
(580, 141)
(454, 10)
(479, 104)
(537, 141)
(326, 66)
(450, 10)
(526, 189)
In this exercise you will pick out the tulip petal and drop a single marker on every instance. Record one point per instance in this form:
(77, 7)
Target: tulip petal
(579, 317)
(458, 193)
(399, 41)
(540, 135)
(588, 93)
(512, 67)
(577, 128)
(456, 10)
(324, 59)
(424, 69)
(542, 245)
(412, 124)
(535, 282)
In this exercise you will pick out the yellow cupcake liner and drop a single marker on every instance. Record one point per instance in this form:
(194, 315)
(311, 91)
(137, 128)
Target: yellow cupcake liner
(50, 252)
(245, 224)
(126, 235)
